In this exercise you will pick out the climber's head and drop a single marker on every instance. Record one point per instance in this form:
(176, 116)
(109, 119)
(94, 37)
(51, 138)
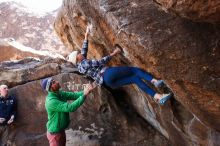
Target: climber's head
(75, 57)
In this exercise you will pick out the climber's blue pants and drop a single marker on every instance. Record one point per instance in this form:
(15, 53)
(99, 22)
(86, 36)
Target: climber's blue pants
(118, 76)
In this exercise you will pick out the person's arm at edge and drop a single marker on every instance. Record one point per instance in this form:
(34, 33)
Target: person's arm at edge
(14, 112)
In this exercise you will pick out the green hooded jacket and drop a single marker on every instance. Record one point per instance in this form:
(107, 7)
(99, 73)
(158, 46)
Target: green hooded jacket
(58, 108)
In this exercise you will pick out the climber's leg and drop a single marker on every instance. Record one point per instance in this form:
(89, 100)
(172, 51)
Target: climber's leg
(119, 76)
(146, 76)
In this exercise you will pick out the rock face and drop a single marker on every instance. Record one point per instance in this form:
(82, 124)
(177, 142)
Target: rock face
(29, 69)
(205, 11)
(12, 50)
(12, 53)
(30, 29)
(185, 54)
(99, 121)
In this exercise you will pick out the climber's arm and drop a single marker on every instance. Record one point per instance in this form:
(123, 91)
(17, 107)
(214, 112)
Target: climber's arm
(84, 49)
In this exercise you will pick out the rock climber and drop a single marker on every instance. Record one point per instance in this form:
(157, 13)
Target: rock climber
(115, 77)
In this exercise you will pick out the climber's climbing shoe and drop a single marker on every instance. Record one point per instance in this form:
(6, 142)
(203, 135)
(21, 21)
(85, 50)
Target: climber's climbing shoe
(164, 98)
(159, 83)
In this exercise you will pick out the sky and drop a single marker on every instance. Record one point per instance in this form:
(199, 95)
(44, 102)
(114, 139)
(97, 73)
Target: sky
(39, 6)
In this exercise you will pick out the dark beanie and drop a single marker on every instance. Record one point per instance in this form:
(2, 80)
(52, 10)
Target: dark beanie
(46, 83)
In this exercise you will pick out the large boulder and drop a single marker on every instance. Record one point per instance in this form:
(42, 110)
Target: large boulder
(205, 11)
(183, 53)
(18, 72)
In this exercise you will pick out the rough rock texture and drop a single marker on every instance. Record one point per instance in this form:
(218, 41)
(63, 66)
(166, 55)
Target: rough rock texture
(185, 54)
(29, 69)
(100, 121)
(30, 29)
(12, 53)
(12, 50)
(202, 10)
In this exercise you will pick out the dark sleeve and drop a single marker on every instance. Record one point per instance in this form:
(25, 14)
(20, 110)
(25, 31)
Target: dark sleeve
(14, 108)
(84, 49)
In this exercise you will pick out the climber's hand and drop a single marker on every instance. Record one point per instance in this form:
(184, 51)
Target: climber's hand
(87, 89)
(11, 119)
(2, 120)
(115, 52)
